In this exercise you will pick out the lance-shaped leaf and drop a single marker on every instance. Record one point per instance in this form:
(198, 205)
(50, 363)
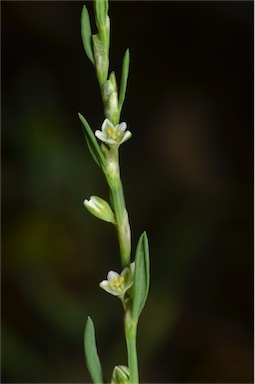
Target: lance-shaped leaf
(86, 34)
(92, 359)
(124, 77)
(141, 276)
(92, 143)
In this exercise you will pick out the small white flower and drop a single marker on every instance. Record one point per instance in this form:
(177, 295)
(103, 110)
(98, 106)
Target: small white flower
(111, 134)
(117, 284)
(100, 208)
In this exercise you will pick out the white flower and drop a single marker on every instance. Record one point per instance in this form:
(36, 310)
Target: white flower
(111, 134)
(117, 284)
(100, 208)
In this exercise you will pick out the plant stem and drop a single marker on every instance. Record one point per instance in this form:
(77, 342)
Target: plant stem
(130, 327)
(112, 174)
(122, 222)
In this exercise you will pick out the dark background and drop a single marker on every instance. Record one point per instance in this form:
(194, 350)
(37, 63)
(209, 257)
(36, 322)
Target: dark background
(188, 179)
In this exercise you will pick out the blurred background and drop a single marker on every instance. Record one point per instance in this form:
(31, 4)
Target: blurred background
(188, 180)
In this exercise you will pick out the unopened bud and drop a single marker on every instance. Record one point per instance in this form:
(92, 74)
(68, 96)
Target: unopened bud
(100, 208)
(120, 375)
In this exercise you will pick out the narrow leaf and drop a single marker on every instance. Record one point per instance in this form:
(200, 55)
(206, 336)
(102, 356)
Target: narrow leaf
(86, 34)
(92, 358)
(141, 276)
(124, 77)
(92, 143)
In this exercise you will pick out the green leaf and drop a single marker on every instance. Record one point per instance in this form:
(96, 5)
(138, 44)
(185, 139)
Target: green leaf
(124, 77)
(92, 359)
(86, 34)
(141, 276)
(92, 143)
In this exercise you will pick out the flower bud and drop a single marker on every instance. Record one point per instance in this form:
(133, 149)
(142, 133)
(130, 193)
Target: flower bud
(100, 208)
(120, 375)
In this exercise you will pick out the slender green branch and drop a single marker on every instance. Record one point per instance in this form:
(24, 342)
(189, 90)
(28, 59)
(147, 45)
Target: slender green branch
(130, 327)
(112, 174)
(122, 224)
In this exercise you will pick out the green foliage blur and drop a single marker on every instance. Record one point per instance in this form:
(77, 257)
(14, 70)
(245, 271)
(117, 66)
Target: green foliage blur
(188, 179)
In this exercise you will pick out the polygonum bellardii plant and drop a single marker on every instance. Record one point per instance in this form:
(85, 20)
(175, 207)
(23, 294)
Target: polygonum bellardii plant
(132, 284)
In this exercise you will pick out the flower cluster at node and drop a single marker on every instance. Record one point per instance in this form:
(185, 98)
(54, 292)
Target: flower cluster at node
(117, 284)
(111, 134)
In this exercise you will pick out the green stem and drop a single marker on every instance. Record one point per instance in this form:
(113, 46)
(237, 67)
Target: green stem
(112, 174)
(122, 224)
(130, 334)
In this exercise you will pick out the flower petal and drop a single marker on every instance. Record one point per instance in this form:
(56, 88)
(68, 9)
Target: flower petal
(106, 286)
(106, 124)
(129, 285)
(128, 280)
(111, 275)
(125, 272)
(126, 136)
(122, 127)
(101, 136)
